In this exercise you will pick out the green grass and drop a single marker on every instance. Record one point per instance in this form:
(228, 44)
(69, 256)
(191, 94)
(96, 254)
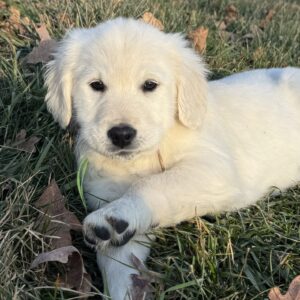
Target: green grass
(237, 255)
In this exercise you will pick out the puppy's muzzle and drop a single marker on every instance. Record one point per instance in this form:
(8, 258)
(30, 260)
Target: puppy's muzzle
(121, 135)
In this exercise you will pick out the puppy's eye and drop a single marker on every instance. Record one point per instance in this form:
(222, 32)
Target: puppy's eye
(98, 86)
(149, 86)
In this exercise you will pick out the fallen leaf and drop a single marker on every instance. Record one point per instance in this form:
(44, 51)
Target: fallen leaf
(222, 25)
(15, 22)
(293, 292)
(57, 221)
(43, 33)
(149, 18)
(25, 144)
(75, 276)
(269, 16)
(2, 5)
(231, 14)
(141, 288)
(198, 37)
(44, 52)
(141, 284)
(55, 217)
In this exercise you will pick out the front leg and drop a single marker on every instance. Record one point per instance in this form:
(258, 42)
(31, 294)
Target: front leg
(116, 223)
(117, 270)
(188, 189)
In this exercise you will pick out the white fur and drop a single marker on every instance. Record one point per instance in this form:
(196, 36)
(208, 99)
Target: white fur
(223, 143)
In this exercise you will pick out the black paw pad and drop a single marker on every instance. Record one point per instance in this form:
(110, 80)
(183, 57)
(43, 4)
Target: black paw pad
(119, 225)
(90, 241)
(102, 233)
(125, 239)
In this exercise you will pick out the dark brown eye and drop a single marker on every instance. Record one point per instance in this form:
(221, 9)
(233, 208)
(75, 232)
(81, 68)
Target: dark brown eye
(149, 86)
(98, 86)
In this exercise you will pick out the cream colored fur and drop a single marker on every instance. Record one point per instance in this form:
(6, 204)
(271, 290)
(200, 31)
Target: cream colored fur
(223, 143)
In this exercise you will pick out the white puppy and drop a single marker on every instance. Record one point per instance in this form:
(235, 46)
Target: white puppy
(161, 141)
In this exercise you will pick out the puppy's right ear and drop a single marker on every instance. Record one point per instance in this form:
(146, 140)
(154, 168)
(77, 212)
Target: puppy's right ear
(59, 80)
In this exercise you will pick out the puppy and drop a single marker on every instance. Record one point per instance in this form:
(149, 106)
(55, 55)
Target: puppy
(163, 144)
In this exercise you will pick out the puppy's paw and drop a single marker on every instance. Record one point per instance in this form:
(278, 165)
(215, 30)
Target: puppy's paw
(113, 225)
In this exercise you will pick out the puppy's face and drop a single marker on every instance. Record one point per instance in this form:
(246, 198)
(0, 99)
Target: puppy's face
(123, 81)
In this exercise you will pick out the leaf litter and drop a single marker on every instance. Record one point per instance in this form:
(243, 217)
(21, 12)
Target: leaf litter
(293, 292)
(43, 53)
(24, 143)
(56, 221)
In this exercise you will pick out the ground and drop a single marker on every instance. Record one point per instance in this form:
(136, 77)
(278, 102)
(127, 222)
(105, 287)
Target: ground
(237, 255)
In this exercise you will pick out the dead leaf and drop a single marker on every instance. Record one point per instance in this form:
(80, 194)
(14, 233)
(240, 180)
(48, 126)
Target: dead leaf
(55, 217)
(44, 52)
(25, 144)
(2, 5)
(58, 221)
(43, 33)
(231, 14)
(227, 36)
(15, 22)
(76, 276)
(222, 25)
(269, 16)
(198, 37)
(141, 284)
(149, 18)
(141, 288)
(293, 292)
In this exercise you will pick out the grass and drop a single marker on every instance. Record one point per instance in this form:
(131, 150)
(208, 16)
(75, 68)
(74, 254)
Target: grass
(237, 255)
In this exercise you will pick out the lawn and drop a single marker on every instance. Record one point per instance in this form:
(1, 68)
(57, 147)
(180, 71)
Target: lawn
(238, 255)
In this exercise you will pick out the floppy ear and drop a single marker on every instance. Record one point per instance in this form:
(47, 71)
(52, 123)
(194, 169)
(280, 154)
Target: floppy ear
(191, 89)
(59, 80)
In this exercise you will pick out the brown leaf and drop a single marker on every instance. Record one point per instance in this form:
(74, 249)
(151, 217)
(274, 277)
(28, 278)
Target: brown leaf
(57, 221)
(269, 16)
(198, 37)
(25, 144)
(141, 288)
(231, 14)
(76, 276)
(43, 32)
(44, 52)
(149, 18)
(293, 292)
(15, 22)
(141, 284)
(2, 5)
(55, 217)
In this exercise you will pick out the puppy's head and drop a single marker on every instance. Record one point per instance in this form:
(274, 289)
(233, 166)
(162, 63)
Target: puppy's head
(127, 84)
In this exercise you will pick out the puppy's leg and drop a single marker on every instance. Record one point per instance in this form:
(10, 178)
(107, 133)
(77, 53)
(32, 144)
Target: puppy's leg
(188, 189)
(116, 266)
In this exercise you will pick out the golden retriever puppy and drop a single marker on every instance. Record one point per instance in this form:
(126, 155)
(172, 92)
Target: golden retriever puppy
(163, 144)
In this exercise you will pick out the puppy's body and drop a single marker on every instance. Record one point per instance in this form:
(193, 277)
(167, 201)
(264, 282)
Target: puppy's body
(222, 144)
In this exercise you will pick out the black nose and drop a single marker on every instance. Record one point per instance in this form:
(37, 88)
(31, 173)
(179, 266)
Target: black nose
(121, 135)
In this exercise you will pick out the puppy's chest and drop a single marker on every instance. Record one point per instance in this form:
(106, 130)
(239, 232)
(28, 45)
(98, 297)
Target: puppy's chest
(102, 189)
(103, 184)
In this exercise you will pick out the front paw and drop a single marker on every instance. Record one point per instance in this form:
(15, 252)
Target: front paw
(114, 225)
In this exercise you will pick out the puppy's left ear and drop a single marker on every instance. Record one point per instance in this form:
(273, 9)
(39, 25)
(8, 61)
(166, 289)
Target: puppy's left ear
(191, 88)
